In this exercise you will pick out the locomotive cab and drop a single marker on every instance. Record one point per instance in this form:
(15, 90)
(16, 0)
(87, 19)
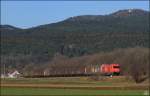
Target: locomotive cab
(115, 69)
(110, 69)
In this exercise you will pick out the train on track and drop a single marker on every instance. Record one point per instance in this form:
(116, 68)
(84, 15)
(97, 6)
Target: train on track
(103, 69)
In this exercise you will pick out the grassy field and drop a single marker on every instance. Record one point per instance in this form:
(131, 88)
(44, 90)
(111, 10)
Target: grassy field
(74, 86)
(76, 92)
(68, 80)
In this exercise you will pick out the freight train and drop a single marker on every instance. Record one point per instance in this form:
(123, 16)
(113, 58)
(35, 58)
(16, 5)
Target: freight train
(74, 71)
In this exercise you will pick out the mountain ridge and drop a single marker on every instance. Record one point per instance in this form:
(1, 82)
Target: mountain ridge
(83, 36)
(97, 34)
(86, 17)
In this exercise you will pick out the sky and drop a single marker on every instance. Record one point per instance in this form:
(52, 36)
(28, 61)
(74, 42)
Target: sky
(26, 14)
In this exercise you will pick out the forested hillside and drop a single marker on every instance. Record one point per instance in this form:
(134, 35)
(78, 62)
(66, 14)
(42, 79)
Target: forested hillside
(73, 37)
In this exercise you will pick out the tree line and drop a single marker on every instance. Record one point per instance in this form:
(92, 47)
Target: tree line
(134, 63)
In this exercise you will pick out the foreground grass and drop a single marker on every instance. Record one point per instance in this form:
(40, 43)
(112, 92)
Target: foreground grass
(45, 80)
(77, 92)
(70, 82)
(66, 81)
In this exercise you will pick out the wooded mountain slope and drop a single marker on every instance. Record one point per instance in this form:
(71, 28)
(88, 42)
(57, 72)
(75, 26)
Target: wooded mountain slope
(79, 35)
(34, 48)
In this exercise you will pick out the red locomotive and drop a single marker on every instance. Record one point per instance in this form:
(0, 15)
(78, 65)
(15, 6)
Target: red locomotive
(110, 69)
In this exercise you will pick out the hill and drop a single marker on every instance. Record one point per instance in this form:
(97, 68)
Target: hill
(75, 36)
